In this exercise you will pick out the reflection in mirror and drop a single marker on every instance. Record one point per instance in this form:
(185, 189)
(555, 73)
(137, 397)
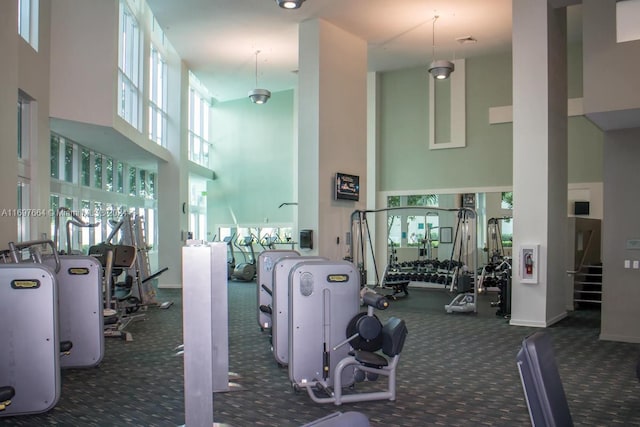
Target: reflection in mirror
(412, 234)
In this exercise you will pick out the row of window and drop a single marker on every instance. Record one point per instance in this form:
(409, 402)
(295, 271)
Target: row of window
(85, 168)
(130, 84)
(101, 218)
(73, 163)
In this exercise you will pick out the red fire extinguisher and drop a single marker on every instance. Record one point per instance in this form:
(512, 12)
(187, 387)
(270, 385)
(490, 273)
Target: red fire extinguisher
(528, 263)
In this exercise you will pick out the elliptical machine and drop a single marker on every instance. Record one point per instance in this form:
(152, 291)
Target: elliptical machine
(231, 258)
(245, 271)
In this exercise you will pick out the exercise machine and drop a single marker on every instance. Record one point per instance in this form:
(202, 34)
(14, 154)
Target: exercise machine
(464, 281)
(74, 220)
(455, 274)
(79, 300)
(280, 330)
(231, 258)
(495, 248)
(30, 350)
(498, 277)
(399, 283)
(541, 382)
(245, 271)
(119, 309)
(81, 309)
(266, 261)
(366, 336)
(130, 231)
(323, 298)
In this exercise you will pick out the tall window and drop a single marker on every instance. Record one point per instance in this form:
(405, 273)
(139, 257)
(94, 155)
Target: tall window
(97, 170)
(133, 188)
(507, 200)
(85, 167)
(199, 110)
(54, 204)
(108, 166)
(68, 161)
(63, 159)
(23, 145)
(24, 127)
(158, 98)
(28, 21)
(129, 59)
(198, 207)
(120, 178)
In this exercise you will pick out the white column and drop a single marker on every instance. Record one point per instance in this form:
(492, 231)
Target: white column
(539, 160)
(332, 131)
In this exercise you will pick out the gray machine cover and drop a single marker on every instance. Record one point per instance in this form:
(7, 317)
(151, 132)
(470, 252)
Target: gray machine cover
(280, 305)
(266, 261)
(324, 297)
(80, 309)
(30, 345)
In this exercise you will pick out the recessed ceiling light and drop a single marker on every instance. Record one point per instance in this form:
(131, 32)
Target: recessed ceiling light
(290, 4)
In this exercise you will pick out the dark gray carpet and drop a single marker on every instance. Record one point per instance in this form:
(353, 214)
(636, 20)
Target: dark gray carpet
(456, 370)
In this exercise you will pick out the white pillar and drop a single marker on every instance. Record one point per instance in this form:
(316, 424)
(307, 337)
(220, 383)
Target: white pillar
(539, 159)
(332, 131)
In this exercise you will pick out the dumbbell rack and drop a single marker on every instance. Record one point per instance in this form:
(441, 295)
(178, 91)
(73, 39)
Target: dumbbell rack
(422, 273)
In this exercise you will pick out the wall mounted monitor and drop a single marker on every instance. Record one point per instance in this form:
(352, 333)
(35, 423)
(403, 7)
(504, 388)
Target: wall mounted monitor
(581, 208)
(347, 187)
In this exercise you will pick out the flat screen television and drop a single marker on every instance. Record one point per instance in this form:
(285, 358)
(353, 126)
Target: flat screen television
(581, 208)
(347, 187)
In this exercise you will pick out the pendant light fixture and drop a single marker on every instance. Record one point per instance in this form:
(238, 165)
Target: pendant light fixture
(259, 96)
(290, 4)
(439, 68)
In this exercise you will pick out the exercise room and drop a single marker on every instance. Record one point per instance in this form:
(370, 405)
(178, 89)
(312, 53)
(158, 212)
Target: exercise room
(315, 213)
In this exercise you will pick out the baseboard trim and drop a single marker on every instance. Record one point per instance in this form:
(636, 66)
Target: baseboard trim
(619, 338)
(536, 323)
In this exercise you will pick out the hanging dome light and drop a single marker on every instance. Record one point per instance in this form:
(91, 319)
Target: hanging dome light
(259, 96)
(440, 69)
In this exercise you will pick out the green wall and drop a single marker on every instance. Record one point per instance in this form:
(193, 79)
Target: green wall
(254, 159)
(406, 163)
(254, 145)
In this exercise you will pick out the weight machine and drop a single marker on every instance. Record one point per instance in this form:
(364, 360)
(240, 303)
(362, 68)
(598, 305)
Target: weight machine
(495, 249)
(80, 316)
(457, 273)
(130, 231)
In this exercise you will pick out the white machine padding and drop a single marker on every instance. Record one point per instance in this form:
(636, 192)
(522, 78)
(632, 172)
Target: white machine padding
(80, 309)
(324, 297)
(280, 305)
(29, 341)
(266, 261)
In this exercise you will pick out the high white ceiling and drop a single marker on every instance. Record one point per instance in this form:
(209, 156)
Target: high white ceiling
(218, 39)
